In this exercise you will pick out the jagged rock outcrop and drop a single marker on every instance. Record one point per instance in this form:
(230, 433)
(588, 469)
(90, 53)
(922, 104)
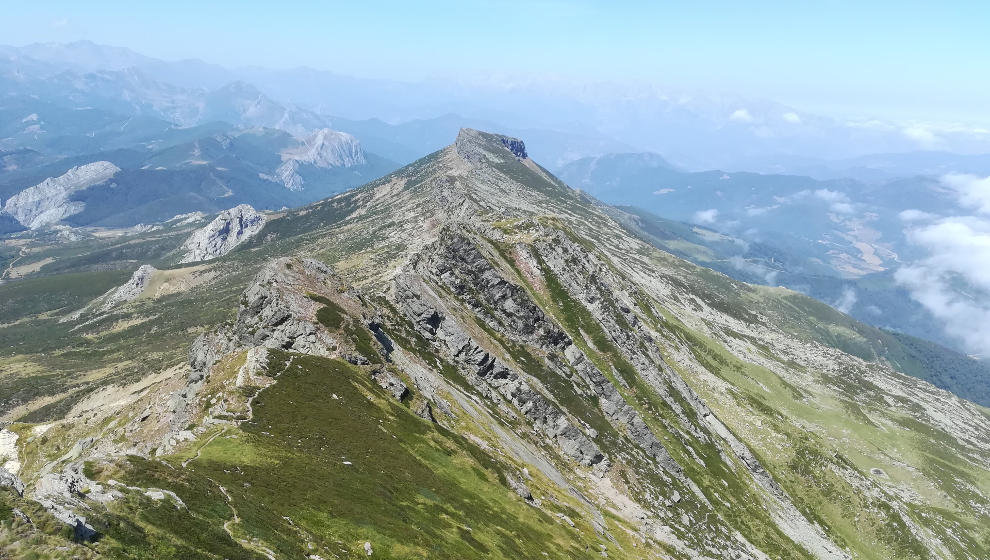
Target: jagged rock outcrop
(390, 382)
(131, 289)
(228, 230)
(10, 480)
(275, 312)
(487, 372)
(48, 202)
(457, 263)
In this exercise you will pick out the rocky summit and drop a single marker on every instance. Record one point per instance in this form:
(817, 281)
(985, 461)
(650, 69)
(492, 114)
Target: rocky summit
(466, 358)
(225, 232)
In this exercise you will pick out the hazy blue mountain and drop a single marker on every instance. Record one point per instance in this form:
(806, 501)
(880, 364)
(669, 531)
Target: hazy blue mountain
(205, 169)
(695, 131)
(873, 168)
(410, 140)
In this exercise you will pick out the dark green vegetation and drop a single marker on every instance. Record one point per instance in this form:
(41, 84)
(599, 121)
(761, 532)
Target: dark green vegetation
(329, 462)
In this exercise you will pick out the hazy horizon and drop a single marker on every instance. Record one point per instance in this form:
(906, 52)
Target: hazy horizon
(838, 59)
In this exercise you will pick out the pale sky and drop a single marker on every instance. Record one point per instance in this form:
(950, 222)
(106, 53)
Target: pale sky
(900, 60)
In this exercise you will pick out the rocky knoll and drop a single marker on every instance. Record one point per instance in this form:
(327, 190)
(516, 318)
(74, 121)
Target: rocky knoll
(228, 230)
(131, 289)
(280, 310)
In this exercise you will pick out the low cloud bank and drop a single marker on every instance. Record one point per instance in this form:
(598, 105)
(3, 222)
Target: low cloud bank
(953, 280)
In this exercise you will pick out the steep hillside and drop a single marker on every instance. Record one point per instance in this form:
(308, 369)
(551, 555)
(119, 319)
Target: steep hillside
(885, 304)
(466, 358)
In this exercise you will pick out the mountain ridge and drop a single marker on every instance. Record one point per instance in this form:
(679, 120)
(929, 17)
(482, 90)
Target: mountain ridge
(569, 390)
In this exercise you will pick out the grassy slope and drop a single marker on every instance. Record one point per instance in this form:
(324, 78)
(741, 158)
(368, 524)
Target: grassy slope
(411, 488)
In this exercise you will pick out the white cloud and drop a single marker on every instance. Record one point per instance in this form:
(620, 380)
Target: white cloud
(841, 208)
(922, 135)
(792, 117)
(788, 199)
(837, 201)
(705, 216)
(912, 215)
(760, 210)
(847, 300)
(60, 23)
(953, 282)
(831, 196)
(741, 115)
(769, 275)
(663, 191)
(972, 191)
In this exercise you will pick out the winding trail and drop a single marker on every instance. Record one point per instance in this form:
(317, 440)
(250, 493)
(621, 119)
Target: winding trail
(7, 273)
(201, 447)
(237, 519)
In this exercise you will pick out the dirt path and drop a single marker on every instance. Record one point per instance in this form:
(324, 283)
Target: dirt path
(201, 447)
(10, 268)
(236, 519)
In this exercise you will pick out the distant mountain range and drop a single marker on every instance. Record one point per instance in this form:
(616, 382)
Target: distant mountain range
(187, 136)
(696, 131)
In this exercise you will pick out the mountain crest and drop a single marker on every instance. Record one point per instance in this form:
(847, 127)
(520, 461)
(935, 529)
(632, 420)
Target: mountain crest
(473, 144)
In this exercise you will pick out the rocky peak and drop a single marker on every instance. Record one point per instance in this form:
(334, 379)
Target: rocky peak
(228, 230)
(475, 146)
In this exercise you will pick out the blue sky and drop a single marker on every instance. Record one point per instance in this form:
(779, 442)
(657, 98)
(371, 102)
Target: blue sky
(903, 60)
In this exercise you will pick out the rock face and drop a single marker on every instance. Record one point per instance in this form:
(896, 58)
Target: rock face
(229, 229)
(324, 149)
(131, 289)
(48, 202)
(288, 175)
(327, 148)
(9, 480)
(488, 373)
(9, 461)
